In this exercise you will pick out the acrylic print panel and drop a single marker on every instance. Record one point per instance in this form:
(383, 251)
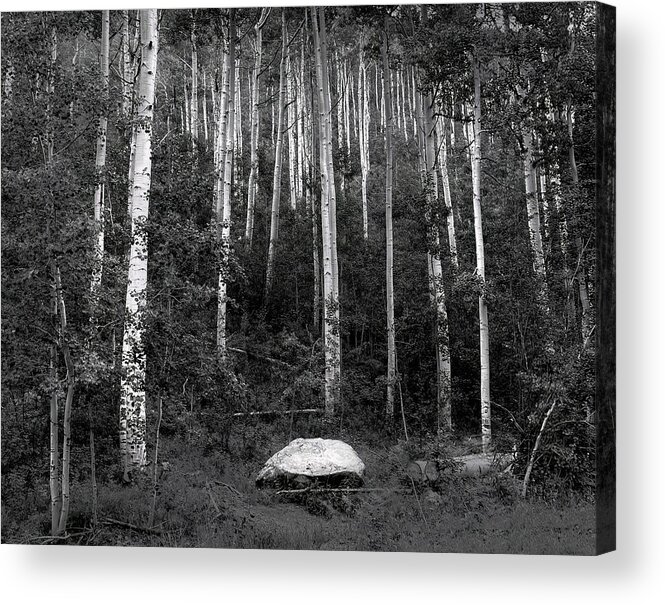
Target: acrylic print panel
(333, 278)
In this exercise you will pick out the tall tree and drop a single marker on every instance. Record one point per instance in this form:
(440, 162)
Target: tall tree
(252, 185)
(100, 159)
(194, 112)
(277, 173)
(363, 132)
(331, 313)
(476, 156)
(390, 303)
(132, 385)
(222, 283)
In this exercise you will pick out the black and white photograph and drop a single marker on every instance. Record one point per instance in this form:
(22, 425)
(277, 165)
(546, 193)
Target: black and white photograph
(302, 278)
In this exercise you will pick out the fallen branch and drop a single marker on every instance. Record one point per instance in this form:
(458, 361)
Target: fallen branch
(351, 490)
(253, 354)
(44, 540)
(212, 499)
(532, 458)
(268, 412)
(145, 530)
(229, 487)
(420, 508)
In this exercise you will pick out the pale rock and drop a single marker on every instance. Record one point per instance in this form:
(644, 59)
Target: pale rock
(305, 460)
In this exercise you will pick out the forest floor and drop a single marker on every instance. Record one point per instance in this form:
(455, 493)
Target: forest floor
(209, 499)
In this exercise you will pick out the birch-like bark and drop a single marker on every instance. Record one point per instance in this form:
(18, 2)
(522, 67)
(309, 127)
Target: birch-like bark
(220, 146)
(335, 307)
(252, 185)
(444, 417)
(390, 303)
(485, 410)
(127, 75)
(442, 145)
(347, 107)
(100, 161)
(238, 108)
(331, 315)
(194, 111)
(291, 132)
(533, 215)
(300, 126)
(205, 110)
(69, 399)
(277, 173)
(187, 109)
(54, 452)
(363, 135)
(132, 383)
(222, 285)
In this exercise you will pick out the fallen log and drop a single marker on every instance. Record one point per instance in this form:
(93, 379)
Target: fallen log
(269, 412)
(316, 490)
(255, 355)
(137, 528)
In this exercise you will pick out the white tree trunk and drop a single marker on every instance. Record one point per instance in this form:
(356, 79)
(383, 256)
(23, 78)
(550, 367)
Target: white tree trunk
(277, 173)
(194, 111)
(331, 312)
(127, 75)
(485, 410)
(363, 136)
(442, 145)
(252, 185)
(226, 195)
(100, 162)
(291, 132)
(132, 383)
(533, 215)
(205, 110)
(444, 417)
(390, 303)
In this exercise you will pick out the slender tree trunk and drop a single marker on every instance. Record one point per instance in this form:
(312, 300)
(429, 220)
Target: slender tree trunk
(54, 453)
(100, 160)
(291, 132)
(310, 132)
(363, 135)
(238, 107)
(132, 384)
(485, 410)
(69, 399)
(205, 110)
(390, 303)
(300, 126)
(580, 274)
(194, 112)
(331, 313)
(335, 307)
(252, 185)
(127, 74)
(98, 204)
(220, 147)
(277, 174)
(533, 215)
(442, 145)
(444, 417)
(228, 178)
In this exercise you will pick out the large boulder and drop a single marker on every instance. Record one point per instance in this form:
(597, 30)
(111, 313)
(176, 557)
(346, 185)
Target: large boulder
(305, 461)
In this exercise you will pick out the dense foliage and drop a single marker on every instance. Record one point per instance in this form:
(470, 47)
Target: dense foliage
(539, 353)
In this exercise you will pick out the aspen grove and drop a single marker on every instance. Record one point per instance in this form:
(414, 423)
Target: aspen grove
(226, 228)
